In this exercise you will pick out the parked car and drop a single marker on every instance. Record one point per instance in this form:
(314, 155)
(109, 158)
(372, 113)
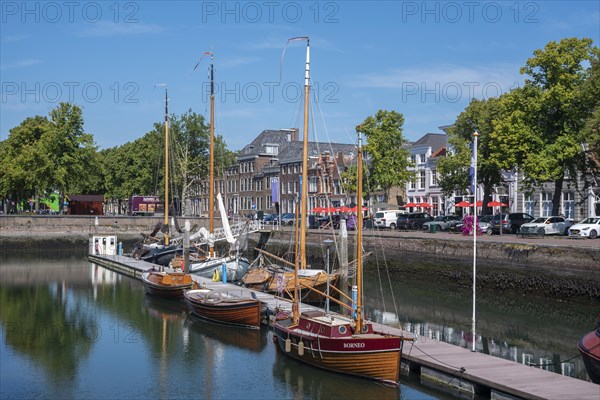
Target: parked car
(412, 221)
(483, 221)
(510, 223)
(589, 227)
(546, 226)
(387, 218)
(271, 219)
(288, 219)
(443, 222)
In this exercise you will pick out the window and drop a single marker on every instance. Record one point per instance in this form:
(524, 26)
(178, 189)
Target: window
(337, 189)
(295, 168)
(413, 158)
(422, 179)
(422, 158)
(529, 204)
(312, 186)
(546, 204)
(412, 184)
(271, 149)
(569, 205)
(434, 177)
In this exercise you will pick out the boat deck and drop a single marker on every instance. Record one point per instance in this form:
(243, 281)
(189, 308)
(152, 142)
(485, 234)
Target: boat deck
(495, 377)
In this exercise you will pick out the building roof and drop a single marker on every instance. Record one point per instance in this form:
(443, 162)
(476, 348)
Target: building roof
(293, 153)
(280, 138)
(86, 197)
(434, 140)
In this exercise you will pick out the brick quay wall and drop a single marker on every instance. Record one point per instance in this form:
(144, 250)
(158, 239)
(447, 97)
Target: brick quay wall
(551, 265)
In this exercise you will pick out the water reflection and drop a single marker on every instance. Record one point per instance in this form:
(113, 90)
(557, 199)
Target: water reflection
(536, 331)
(247, 339)
(48, 326)
(65, 324)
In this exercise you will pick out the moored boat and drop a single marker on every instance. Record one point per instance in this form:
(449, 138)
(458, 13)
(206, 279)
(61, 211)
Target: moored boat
(221, 306)
(589, 347)
(282, 282)
(167, 284)
(349, 345)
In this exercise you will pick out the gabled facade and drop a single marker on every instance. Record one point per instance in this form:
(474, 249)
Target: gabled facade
(424, 188)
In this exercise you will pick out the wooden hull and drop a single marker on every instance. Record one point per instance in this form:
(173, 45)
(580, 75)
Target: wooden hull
(167, 285)
(370, 355)
(228, 310)
(589, 347)
(282, 284)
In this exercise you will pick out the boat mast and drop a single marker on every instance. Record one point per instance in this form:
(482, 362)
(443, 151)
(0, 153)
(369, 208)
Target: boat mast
(211, 179)
(359, 223)
(304, 198)
(304, 181)
(166, 167)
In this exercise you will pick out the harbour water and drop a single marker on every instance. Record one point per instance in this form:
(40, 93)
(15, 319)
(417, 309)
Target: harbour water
(71, 329)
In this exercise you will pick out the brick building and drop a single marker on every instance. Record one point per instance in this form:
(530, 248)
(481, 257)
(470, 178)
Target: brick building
(272, 165)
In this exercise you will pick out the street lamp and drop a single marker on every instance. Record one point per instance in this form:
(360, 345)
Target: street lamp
(328, 243)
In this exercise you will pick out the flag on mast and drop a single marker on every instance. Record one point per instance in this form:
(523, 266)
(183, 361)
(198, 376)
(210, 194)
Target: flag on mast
(473, 166)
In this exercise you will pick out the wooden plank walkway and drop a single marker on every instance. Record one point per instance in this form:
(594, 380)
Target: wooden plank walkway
(502, 377)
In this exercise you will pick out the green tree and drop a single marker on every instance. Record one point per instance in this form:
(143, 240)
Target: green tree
(71, 151)
(454, 168)
(189, 140)
(388, 159)
(25, 166)
(135, 167)
(543, 121)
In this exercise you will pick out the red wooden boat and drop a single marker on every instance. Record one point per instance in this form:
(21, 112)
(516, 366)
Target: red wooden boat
(220, 306)
(333, 342)
(589, 347)
(167, 284)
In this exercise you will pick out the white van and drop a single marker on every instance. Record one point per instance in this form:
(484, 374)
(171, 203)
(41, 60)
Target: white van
(387, 218)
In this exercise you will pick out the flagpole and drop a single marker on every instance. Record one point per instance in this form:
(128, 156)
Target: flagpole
(474, 186)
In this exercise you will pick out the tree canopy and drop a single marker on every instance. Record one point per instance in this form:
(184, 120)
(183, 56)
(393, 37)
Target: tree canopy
(387, 157)
(540, 128)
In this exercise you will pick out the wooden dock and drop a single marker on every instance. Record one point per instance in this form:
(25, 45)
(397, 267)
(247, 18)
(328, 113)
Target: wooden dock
(446, 364)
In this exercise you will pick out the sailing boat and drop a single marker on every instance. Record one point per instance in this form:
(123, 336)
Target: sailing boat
(156, 252)
(350, 345)
(169, 284)
(232, 265)
(310, 283)
(224, 307)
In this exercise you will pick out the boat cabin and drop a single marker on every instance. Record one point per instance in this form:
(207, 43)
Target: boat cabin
(103, 244)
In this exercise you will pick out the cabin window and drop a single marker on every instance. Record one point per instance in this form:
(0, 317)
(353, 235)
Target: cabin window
(342, 329)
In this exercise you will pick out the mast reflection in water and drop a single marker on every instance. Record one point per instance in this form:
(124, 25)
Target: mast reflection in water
(72, 329)
(528, 329)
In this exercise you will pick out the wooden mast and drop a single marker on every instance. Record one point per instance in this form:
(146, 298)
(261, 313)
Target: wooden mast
(166, 168)
(211, 179)
(359, 223)
(304, 183)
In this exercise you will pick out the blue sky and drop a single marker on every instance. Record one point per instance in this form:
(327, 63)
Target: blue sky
(423, 59)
